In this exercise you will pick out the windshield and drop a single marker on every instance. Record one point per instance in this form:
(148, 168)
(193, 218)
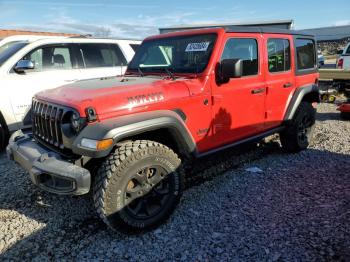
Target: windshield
(182, 54)
(9, 49)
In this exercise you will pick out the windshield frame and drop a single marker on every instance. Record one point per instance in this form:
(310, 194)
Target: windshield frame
(162, 68)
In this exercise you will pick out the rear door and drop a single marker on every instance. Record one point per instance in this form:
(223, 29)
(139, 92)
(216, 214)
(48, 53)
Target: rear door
(279, 77)
(100, 60)
(239, 105)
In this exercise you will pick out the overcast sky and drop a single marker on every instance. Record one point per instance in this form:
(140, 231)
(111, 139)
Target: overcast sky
(137, 19)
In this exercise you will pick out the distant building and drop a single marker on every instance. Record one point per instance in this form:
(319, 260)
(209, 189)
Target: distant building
(282, 24)
(331, 39)
(332, 33)
(5, 33)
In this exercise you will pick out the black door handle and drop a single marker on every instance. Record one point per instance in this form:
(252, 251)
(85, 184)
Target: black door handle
(257, 91)
(286, 85)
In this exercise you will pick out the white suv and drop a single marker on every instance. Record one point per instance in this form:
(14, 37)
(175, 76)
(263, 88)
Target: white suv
(29, 65)
(343, 62)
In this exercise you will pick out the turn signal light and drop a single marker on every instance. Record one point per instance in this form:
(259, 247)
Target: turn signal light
(104, 144)
(98, 145)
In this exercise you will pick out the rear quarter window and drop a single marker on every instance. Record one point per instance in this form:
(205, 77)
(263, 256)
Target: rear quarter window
(306, 58)
(134, 47)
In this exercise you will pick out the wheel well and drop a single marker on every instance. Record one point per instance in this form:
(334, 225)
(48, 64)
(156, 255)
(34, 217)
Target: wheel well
(164, 136)
(312, 97)
(3, 123)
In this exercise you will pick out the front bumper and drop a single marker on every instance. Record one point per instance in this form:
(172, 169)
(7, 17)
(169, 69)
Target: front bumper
(47, 169)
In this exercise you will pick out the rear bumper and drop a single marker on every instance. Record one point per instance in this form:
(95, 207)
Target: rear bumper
(46, 168)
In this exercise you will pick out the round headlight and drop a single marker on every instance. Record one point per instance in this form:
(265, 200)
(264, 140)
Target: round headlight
(75, 122)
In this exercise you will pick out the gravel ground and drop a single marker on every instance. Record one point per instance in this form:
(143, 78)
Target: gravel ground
(296, 209)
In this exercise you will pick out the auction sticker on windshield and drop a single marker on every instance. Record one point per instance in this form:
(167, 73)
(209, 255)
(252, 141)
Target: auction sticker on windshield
(197, 47)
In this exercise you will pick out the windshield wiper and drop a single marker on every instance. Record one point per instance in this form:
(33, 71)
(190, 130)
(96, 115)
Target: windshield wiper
(140, 72)
(171, 74)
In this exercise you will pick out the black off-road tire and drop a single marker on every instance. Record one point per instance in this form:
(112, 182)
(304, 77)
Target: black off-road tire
(114, 199)
(298, 135)
(4, 136)
(345, 115)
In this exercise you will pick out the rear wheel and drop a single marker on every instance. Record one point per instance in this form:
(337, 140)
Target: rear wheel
(138, 186)
(299, 133)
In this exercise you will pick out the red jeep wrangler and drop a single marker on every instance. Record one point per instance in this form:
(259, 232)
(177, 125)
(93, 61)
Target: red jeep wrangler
(185, 95)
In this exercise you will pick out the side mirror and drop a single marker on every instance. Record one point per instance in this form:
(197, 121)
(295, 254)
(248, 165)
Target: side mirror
(229, 68)
(23, 65)
(340, 52)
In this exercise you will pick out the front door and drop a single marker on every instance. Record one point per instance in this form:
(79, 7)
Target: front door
(239, 105)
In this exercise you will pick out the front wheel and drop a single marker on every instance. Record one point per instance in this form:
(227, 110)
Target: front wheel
(299, 133)
(138, 186)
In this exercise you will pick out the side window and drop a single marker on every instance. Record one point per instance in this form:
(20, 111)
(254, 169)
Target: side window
(61, 58)
(305, 54)
(101, 55)
(245, 49)
(134, 47)
(278, 54)
(37, 58)
(118, 57)
(50, 58)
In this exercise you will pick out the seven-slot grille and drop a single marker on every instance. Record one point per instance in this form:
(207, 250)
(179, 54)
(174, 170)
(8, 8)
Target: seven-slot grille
(47, 122)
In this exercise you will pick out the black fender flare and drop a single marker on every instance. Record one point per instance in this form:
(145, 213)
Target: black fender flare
(122, 127)
(311, 92)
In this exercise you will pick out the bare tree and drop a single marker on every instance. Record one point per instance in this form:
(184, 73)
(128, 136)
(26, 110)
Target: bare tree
(103, 32)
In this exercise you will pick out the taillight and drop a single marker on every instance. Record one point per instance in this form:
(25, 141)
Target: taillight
(340, 63)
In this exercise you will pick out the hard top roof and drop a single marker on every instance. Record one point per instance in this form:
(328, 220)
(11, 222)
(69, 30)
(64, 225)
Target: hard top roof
(260, 29)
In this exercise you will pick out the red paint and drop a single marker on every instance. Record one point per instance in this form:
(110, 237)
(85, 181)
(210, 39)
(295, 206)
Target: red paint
(232, 112)
(345, 108)
(340, 63)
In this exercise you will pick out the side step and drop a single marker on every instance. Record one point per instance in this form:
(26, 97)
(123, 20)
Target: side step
(255, 138)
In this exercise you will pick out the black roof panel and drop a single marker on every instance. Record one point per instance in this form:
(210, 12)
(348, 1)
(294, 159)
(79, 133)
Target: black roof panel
(263, 29)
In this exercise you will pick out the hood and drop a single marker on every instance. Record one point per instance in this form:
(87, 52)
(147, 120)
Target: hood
(111, 96)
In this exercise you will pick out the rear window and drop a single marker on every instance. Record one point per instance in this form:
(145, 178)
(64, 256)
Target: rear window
(134, 47)
(305, 53)
(101, 55)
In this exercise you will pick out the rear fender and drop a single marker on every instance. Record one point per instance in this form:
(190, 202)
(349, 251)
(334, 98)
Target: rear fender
(309, 93)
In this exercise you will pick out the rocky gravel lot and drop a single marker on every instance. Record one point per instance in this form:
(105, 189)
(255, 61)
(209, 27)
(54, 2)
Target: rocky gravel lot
(296, 209)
